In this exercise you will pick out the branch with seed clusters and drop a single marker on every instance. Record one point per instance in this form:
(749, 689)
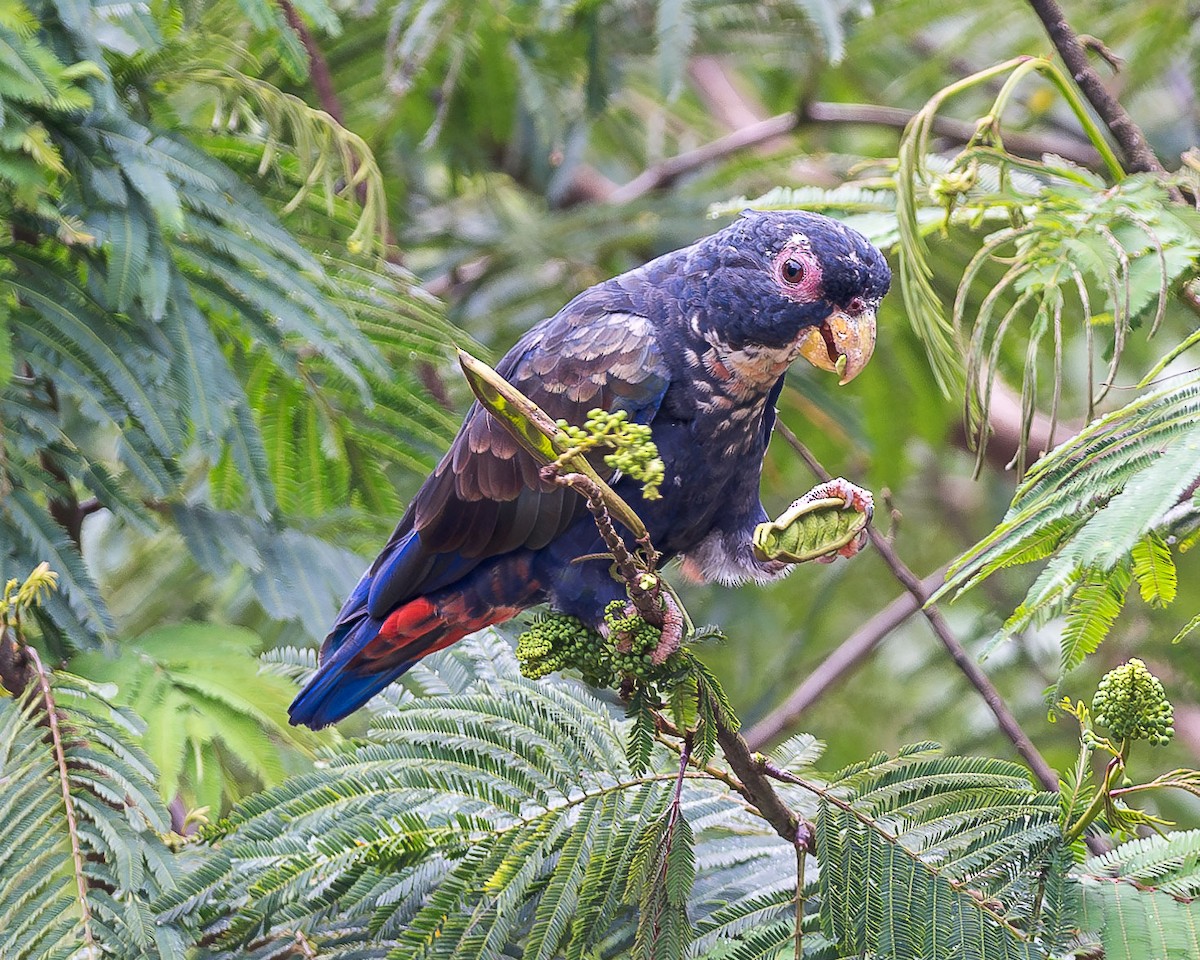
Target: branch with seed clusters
(545, 440)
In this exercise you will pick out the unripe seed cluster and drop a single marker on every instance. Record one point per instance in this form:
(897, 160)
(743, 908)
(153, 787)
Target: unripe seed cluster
(634, 452)
(555, 641)
(558, 642)
(634, 643)
(1131, 703)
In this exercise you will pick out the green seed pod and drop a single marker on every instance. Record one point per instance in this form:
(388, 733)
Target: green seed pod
(806, 531)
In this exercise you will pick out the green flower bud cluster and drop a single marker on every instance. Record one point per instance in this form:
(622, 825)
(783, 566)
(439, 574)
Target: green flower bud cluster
(634, 452)
(558, 642)
(1130, 701)
(634, 643)
(555, 641)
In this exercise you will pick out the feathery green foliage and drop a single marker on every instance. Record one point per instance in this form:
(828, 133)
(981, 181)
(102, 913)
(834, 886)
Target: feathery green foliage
(1111, 492)
(483, 811)
(185, 349)
(1169, 864)
(1133, 923)
(928, 856)
(205, 703)
(82, 829)
(170, 337)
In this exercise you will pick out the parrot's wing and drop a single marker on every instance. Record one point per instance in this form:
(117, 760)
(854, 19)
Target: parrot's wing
(486, 496)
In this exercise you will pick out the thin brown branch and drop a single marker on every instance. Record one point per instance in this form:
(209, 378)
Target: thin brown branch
(1022, 143)
(587, 185)
(711, 769)
(964, 661)
(64, 780)
(1187, 293)
(647, 602)
(1138, 155)
(734, 105)
(665, 173)
(849, 654)
(322, 82)
(755, 786)
(751, 782)
(760, 132)
(726, 100)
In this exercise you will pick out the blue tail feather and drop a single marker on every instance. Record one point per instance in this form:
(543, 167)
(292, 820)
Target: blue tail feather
(336, 691)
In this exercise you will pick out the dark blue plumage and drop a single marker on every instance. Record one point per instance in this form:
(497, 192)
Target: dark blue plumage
(694, 343)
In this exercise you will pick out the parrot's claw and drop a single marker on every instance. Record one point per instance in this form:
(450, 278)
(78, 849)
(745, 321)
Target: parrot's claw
(854, 498)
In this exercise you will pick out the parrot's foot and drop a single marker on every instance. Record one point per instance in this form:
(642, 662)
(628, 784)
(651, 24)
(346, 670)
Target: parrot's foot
(672, 631)
(614, 627)
(855, 498)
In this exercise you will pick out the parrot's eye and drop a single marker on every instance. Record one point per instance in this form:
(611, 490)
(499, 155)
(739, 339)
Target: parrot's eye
(792, 271)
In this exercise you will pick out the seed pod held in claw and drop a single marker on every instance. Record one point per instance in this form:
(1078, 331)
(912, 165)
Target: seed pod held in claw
(809, 530)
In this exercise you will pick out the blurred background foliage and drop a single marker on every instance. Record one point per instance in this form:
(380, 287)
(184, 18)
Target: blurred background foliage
(238, 239)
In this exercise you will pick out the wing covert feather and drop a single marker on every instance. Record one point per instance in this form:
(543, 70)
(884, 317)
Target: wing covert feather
(486, 496)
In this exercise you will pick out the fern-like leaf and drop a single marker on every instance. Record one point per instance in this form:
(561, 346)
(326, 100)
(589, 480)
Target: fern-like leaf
(1154, 570)
(81, 854)
(913, 849)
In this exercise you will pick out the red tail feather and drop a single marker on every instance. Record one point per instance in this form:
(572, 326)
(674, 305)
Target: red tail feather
(422, 626)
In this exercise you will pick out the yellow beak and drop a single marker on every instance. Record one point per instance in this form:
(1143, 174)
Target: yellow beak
(842, 344)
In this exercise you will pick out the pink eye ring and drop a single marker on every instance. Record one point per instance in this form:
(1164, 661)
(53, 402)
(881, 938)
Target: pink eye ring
(798, 273)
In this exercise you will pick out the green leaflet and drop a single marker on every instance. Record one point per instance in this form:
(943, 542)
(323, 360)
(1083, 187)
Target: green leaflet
(897, 834)
(640, 747)
(1133, 924)
(663, 872)
(1170, 863)
(1094, 608)
(1096, 507)
(1154, 570)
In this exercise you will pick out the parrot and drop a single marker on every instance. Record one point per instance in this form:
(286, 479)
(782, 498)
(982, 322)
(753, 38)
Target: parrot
(695, 344)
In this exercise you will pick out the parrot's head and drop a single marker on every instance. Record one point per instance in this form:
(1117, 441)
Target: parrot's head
(782, 284)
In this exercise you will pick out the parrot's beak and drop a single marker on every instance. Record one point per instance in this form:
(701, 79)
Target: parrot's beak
(842, 344)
